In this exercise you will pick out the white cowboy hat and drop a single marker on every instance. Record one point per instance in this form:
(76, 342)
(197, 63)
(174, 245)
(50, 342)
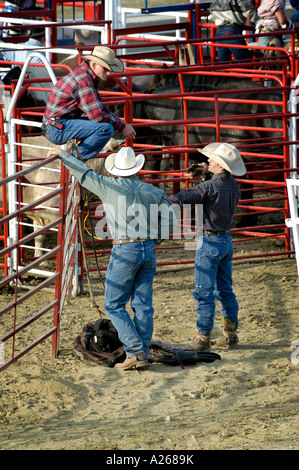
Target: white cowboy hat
(85, 36)
(124, 162)
(227, 156)
(105, 57)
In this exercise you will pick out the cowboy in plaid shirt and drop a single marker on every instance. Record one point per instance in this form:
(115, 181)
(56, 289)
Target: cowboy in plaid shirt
(75, 110)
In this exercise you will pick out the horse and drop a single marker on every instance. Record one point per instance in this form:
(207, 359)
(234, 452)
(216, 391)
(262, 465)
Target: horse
(247, 109)
(221, 82)
(172, 109)
(202, 112)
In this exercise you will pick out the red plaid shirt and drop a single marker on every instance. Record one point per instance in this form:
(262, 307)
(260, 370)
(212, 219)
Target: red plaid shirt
(75, 95)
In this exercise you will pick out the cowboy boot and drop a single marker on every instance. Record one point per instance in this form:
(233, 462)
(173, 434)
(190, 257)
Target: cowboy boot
(228, 336)
(133, 362)
(201, 342)
(72, 146)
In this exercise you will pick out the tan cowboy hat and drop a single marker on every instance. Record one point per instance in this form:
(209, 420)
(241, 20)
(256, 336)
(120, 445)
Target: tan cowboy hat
(87, 37)
(124, 162)
(227, 156)
(106, 57)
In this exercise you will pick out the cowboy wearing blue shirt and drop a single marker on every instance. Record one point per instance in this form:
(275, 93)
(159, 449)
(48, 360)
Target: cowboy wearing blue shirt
(138, 216)
(14, 54)
(295, 14)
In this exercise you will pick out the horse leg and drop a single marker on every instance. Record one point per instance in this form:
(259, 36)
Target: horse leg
(39, 240)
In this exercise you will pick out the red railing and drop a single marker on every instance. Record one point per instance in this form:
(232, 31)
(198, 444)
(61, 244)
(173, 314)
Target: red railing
(18, 273)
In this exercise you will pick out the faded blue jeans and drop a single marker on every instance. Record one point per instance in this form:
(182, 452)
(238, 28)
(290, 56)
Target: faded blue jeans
(93, 135)
(213, 280)
(130, 275)
(225, 53)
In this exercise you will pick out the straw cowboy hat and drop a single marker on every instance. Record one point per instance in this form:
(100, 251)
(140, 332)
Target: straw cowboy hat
(87, 37)
(227, 156)
(106, 57)
(124, 162)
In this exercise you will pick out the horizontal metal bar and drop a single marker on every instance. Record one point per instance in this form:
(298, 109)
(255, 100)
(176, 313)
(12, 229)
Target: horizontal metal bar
(24, 297)
(28, 348)
(30, 320)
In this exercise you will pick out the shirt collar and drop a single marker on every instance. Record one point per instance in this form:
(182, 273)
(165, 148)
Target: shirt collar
(220, 175)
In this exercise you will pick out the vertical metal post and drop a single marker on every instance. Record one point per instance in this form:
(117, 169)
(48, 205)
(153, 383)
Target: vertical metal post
(12, 193)
(293, 221)
(292, 129)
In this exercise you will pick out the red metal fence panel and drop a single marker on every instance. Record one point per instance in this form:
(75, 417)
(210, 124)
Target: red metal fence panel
(20, 325)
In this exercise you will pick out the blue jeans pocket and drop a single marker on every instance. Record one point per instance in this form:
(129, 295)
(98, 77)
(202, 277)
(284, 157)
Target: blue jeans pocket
(152, 257)
(123, 260)
(55, 135)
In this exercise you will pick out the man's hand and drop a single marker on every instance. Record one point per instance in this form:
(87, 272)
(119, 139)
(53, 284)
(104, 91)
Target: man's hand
(197, 170)
(128, 131)
(53, 152)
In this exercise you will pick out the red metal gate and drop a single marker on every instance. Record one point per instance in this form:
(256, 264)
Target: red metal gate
(3, 209)
(23, 272)
(19, 322)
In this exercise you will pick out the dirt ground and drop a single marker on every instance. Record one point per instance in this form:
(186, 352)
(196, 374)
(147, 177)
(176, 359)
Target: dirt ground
(248, 400)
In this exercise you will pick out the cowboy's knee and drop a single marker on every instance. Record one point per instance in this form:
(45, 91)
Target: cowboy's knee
(107, 130)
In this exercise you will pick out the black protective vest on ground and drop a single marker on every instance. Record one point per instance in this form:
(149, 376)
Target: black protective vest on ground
(99, 344)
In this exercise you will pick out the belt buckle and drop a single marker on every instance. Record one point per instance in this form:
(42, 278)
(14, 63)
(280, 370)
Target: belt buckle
(121, 241)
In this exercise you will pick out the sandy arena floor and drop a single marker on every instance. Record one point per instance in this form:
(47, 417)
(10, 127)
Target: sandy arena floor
(247, 400)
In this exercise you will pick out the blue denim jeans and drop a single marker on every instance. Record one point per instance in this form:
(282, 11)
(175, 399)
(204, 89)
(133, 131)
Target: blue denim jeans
(265, 40)
(225, 53)
(130, 275)
(295, 15)
(92, 135)
(213, 280)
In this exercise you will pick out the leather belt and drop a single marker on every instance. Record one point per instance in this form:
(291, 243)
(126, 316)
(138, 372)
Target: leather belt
(219, 232)
(138, 240)
(233, 24)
